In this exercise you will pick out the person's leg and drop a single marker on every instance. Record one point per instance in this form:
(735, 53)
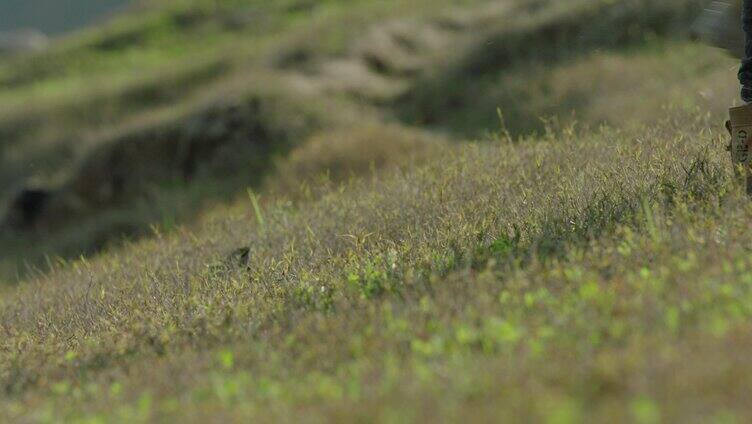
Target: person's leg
(745, 72)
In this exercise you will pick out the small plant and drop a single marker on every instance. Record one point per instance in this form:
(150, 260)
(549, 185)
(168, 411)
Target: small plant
(370, 281)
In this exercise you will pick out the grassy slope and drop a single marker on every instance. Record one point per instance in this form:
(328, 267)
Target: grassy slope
(167, 66)
(588, 272)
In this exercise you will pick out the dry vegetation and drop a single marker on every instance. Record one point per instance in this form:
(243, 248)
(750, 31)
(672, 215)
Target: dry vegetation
(337, 252)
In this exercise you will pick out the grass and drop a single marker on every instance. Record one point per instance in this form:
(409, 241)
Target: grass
(586, 268)
(65, 107)
(376, 296)
(531, 91)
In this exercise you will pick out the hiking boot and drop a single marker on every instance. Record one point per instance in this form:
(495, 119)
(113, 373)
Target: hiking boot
(740, 127)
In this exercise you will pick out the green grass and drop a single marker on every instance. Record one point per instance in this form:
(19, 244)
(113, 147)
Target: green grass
(586, 260)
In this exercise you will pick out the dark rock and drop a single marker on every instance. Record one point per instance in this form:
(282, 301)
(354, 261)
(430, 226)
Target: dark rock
(241, 256)
(26, 207)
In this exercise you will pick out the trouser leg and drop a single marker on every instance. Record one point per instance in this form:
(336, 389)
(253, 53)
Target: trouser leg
(745, 72)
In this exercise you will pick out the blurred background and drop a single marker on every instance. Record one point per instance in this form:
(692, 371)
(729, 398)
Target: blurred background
(27, 25)
(119, 117)
(54, 17)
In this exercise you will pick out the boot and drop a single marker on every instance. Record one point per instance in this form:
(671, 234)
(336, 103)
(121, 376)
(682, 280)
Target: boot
(740, 127)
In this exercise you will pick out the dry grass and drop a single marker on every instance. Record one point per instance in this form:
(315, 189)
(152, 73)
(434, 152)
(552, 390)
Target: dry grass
(590, 272)
(513, 256)
(333, 157)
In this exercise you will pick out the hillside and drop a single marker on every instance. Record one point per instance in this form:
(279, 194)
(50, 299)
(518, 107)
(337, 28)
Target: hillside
(376, 211)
